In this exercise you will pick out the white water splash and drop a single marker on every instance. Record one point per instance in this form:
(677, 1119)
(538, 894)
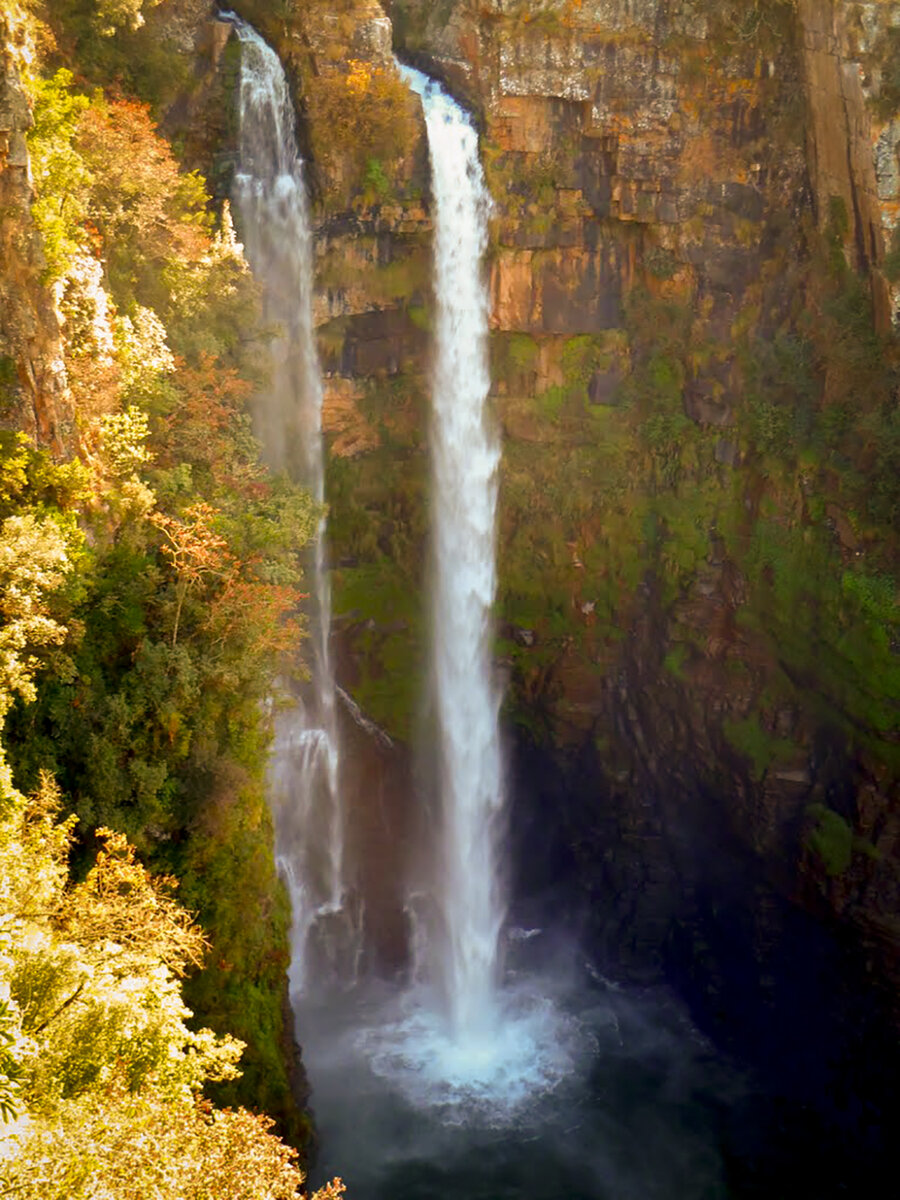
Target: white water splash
(465, 458)
(270, 198)
(486, 1077)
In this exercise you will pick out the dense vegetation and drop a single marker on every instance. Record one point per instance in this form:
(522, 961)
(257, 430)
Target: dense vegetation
(150, 592)
(100, 1074)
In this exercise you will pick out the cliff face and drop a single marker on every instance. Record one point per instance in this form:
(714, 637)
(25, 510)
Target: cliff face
(695, 612)
(33, 385)
(840, 134)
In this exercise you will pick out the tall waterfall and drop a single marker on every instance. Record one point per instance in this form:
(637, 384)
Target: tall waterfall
(270, 198)
(465, 457)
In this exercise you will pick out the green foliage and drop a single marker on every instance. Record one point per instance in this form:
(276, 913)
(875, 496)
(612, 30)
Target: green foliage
(581, 357)
(831, 838)
(675, 659)
(754, 742)
(389, 647)
(780, 394)
(659, 335)
(552, 401)
(114, 45)
(30, 481)
(522, 350)
(376, 182)
(832, 629)
(61, 176)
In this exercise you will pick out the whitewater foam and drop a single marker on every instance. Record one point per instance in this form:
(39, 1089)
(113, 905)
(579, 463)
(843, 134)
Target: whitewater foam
(490, 1078)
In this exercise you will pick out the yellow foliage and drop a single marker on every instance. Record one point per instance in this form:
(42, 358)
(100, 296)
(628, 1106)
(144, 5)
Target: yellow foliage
(34, 562)
(357, 115)
(97, 1059)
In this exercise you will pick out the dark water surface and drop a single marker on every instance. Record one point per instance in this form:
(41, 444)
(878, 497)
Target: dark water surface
(630, 1103)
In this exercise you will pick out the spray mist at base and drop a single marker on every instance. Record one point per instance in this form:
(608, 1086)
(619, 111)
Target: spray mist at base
(585, 1091)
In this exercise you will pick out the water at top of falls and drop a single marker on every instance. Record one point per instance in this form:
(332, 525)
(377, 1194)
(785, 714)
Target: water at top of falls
(465, 458)
(271, 202)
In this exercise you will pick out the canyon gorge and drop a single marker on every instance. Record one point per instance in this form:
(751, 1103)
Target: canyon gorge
(690, 634)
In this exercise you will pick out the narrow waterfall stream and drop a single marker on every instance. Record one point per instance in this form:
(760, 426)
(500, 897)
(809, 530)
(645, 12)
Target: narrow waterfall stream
(271, 202)
(465, 457)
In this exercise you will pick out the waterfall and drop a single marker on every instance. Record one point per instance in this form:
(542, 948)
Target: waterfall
(464, 457)
(271, 202)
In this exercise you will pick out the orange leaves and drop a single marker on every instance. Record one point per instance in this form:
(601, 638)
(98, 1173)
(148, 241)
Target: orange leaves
(192, 545)
(262, 615)
(360, 76)
(204, 426)
(137, 182)
(194, 548)
(331, 1191)
(143, 208)
(242, 614)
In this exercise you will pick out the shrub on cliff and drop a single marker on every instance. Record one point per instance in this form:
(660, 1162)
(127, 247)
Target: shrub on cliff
(361, 124)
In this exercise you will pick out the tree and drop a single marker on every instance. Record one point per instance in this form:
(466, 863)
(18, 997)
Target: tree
(195, 550)
(61, 176)
(95, 1054)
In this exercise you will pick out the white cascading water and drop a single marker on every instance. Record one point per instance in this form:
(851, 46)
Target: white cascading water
(465, 457)
(270, 197)
(462, 1043)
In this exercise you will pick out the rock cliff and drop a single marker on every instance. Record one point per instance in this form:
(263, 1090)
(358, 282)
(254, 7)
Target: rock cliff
(690, 279)
(665, 175)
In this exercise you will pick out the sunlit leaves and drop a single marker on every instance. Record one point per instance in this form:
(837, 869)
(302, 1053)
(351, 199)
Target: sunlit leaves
(96, 1061)
(146, 1145)
(34, 562)
(61, 175)
(124, 441)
